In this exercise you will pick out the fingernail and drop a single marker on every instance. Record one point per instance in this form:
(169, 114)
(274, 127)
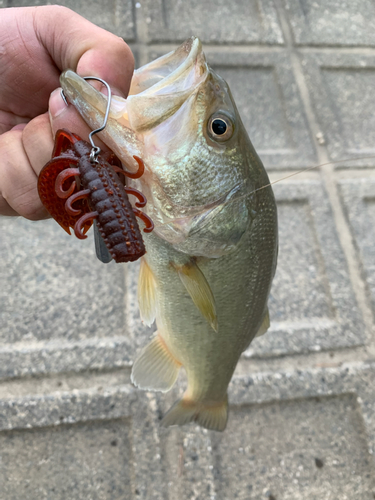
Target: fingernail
(56, 104)
(103, 89)
(117, 92)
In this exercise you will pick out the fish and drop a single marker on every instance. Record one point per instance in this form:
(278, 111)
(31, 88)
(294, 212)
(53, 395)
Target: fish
(207, 272)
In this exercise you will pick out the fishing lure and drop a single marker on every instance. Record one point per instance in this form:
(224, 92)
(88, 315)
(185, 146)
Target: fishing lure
(80, 185)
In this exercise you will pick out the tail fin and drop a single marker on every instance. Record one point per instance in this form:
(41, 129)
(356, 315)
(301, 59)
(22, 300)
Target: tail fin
(212, 416)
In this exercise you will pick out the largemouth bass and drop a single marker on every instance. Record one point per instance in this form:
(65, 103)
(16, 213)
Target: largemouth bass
(211, 259)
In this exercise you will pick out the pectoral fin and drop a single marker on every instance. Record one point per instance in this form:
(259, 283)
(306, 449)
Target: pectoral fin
(199, 290)
(155, 369)
(265, 325)
(146, 293)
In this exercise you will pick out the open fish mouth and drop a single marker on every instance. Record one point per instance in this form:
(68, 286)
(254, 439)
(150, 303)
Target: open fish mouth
(157, 91)
(159, 88)
(174, 68)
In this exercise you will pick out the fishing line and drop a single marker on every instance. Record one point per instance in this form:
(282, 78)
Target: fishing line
(239, 198)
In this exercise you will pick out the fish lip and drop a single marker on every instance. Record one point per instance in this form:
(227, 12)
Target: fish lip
(157, 73)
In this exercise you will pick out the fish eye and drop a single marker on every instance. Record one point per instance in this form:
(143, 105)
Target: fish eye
(220, 127)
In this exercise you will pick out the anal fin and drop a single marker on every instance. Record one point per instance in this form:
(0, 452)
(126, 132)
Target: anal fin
(155, 369)
(146, 293)
(199, 290)
(210, 416)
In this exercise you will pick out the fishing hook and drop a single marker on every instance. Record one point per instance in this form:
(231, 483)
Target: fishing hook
(95, 149)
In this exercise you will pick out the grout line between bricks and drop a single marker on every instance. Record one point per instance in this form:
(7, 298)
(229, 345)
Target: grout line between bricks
(333, 358)
(141, 34)
(328, 176)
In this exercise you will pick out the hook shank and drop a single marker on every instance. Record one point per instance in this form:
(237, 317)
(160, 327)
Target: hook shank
(96, 150)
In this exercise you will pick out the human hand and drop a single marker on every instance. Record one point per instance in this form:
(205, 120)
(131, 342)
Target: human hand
(36, 45)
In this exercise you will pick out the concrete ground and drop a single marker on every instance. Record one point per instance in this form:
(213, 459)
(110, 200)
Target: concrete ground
(302, 422)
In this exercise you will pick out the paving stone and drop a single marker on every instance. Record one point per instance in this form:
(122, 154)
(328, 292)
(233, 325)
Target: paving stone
(290, 434)
(359, 198)
(111, 15)
(267, 98)
(312, 448)
(68, 311)
(187, 462)
(342, 88)
(246, 21)
(312, 305)
(348, 22)
(81, 445)
(354, 378)
(88, 460)
(62, 290)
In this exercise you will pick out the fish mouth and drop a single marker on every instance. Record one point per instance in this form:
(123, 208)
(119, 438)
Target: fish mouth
(157, 91)
(159, 88)
(174, 67)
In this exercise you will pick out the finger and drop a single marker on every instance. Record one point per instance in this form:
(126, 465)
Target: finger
(86, 48)
(9, 120)
(37, 140)
(24, 153)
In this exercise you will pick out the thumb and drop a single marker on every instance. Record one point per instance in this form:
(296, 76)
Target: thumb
(85, 48)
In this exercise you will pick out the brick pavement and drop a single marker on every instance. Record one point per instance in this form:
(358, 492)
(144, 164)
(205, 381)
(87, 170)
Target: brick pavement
(302, 420)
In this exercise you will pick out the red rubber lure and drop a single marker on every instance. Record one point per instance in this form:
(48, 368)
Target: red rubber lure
(76, 189)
